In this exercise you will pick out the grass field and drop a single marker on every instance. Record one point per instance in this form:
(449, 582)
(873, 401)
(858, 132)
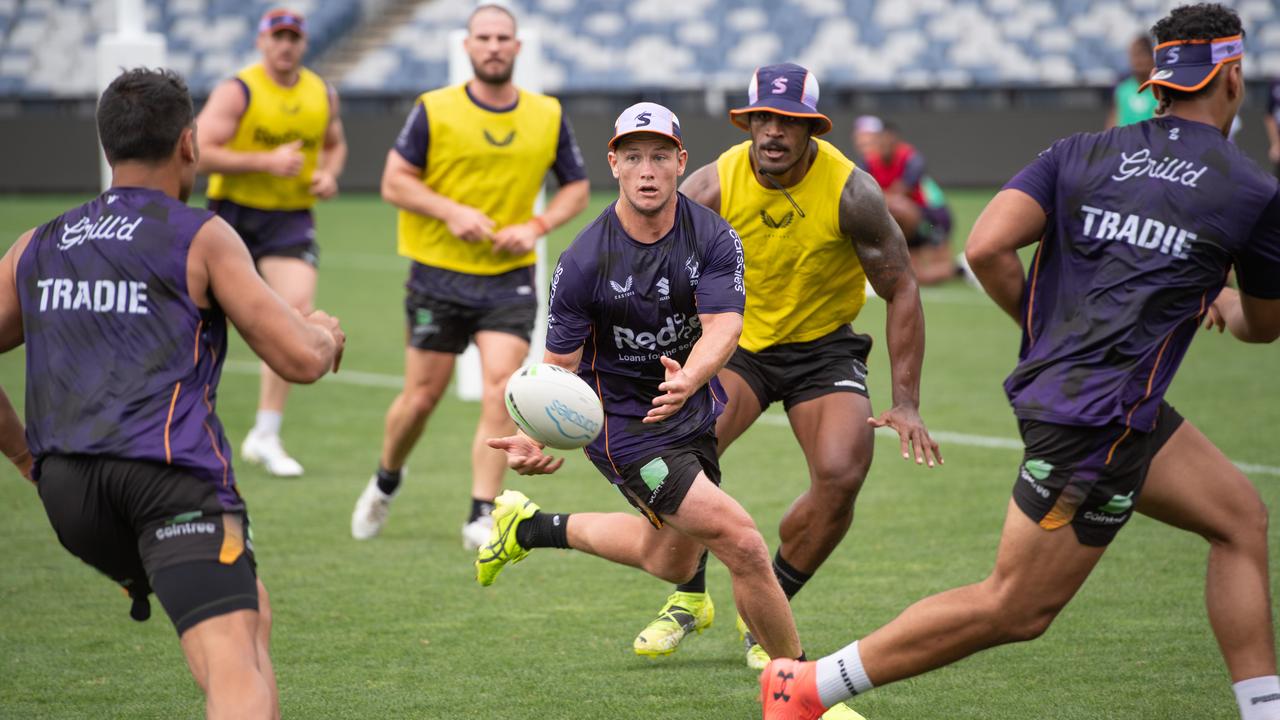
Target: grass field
(397, 627)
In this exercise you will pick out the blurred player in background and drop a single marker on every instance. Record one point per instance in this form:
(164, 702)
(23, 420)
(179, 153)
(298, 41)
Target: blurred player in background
(814, 230)
(913, 198)
(1130, 262)
(122, 303)
(272, 140)
(465, 173)
(1128, 104)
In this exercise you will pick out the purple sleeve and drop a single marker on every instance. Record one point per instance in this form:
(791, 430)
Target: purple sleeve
(1040, 178)
(568, 166)
(720, 285)
(913, 172)
(569, 302)
(1258, 266)
(414, 137)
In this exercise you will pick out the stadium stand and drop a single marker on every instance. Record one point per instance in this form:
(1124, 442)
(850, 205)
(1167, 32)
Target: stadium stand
(47, 47)
(601, 45)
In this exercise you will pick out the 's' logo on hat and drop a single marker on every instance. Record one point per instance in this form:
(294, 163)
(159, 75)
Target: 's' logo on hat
(643, 119)
(779, 85)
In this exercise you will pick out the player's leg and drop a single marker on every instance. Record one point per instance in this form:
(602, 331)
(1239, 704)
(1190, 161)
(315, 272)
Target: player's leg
(1036, 574)
(263, 644)
(838, 444)
(742, 410)
(932, 264)
(501, 354)
(905, 212)
(1191, 485)
(222, 654)
(426, 375)
(294, 280)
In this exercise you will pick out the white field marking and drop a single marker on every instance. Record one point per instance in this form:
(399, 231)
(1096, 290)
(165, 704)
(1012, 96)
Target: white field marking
(944, 437)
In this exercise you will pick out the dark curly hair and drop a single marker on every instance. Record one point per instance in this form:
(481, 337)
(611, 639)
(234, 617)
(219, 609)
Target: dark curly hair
(1204, 21)
(142, 114)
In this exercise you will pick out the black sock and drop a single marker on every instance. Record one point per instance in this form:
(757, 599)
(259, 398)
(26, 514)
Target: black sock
(544, 530)
(480, 508)
(790, 578)
(697, 583)
(802, 658)
(388, 480)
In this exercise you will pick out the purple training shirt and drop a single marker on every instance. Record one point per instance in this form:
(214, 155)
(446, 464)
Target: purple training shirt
(1144, 222)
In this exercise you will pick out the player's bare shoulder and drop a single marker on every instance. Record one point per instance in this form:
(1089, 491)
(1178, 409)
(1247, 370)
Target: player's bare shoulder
(703, 186)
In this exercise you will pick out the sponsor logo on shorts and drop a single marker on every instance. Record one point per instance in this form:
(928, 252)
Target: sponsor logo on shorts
(187, 528)
(654, 474)
(1104, 518)
(1118, 504)
(1264, 699)
(1036, 471)
(850, 383)
(423, 324)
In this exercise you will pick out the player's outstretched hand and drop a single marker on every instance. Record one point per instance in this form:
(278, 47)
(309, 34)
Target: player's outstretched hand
(676, 391)
(285, 160)
(468, 223)
(525, 456)
(911, 432)
(1216, 316)
(323, 184)
(334, 328)
(515, 239)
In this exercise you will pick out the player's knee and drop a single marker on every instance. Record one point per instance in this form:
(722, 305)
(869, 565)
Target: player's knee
(672, 569)
(743, 551)
(1028, 624)
(1248, 527)
(839, 482)
(420, 400)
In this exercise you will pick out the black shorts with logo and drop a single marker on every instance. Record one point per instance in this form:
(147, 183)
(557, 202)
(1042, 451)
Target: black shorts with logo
(1087, 477)
(656, 484)
(272, 233)
(445, 309)
(796, 372)
(152, 527)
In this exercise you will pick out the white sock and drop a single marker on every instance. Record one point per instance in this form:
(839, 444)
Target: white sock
(1259, 698)
(840, 676)
(267, 423)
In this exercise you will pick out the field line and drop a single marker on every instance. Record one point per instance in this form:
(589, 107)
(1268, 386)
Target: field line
(944, 437)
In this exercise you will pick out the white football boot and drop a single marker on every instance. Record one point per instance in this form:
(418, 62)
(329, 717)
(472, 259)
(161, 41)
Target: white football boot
(371, 511)
(266, 450)
(476, 533)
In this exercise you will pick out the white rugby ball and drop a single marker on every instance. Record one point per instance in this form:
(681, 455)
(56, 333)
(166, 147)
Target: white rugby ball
(554, 406)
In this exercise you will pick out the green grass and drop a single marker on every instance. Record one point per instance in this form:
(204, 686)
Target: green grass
(397, 627)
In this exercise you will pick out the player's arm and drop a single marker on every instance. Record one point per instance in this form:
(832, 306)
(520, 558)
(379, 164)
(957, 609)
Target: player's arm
(216, 126)
(13, 441)
(402, 186)
(333, 158)
(720, 333)
(703, 186)
(219, 270)
(883, 253)
(1012, 220)
(569, 200)
(1253, 313)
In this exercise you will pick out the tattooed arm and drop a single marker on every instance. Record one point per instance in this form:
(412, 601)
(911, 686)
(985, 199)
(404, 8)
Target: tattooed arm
(884, 257)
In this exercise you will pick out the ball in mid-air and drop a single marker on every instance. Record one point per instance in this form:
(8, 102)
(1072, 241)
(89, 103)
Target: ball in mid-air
(554, 406)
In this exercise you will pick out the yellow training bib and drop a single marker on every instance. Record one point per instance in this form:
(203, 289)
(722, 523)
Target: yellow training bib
(803, 276)
(492, 161)
(276, 116)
